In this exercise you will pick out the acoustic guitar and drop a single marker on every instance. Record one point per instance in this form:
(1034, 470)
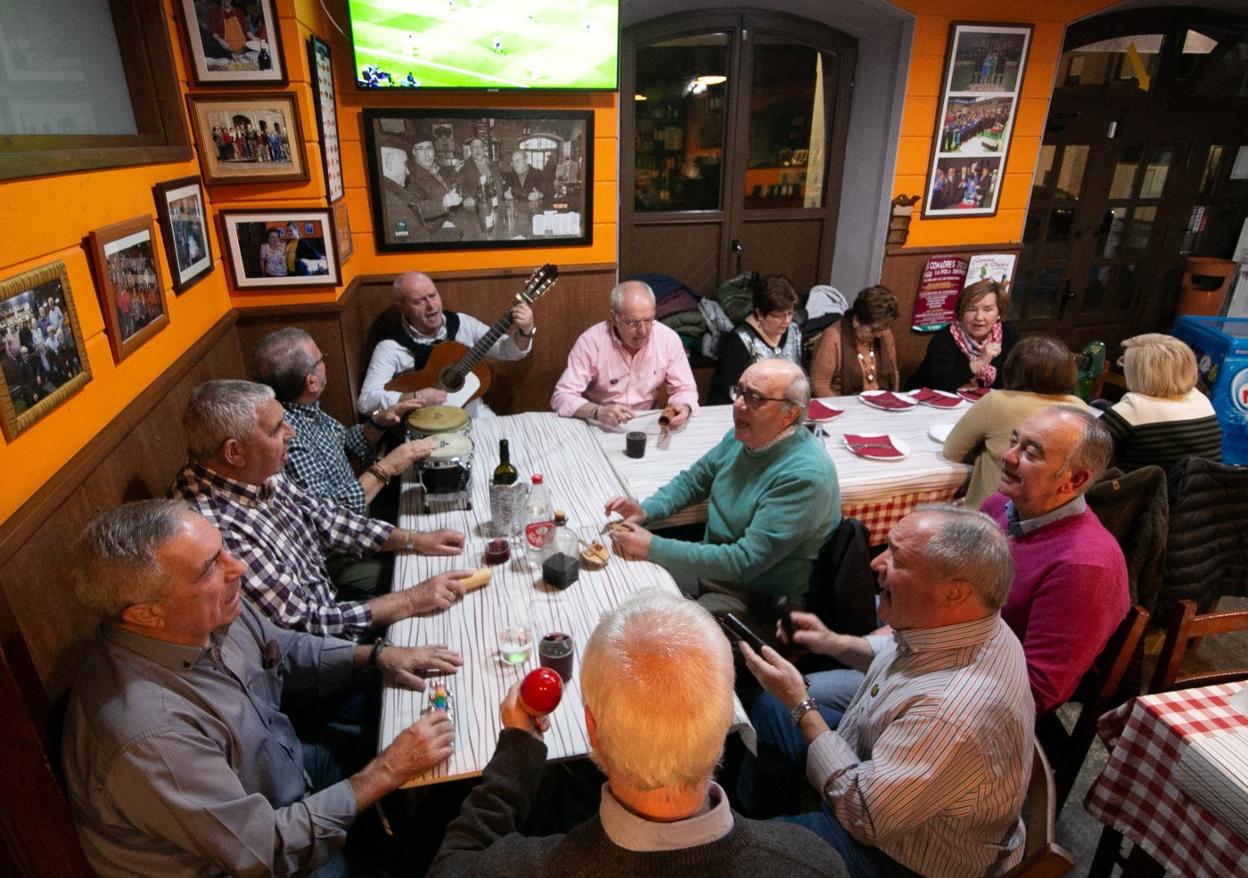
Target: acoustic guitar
(462, 371)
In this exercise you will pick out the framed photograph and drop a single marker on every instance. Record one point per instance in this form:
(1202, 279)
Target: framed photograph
(342, 227)
(459, 179)
(975, 118)
(280, 249)
(326, 116)
(248, 138)
(184, 226)
(132, 295)
(233, 42)
(43, 356)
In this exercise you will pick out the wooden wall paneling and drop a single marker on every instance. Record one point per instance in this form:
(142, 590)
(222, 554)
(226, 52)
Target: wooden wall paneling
(692, 257)
(901, 272)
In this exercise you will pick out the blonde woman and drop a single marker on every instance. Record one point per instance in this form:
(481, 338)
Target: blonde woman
(1163, 417)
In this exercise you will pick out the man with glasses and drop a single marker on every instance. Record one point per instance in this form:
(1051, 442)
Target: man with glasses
(772, 500)
(617, 367)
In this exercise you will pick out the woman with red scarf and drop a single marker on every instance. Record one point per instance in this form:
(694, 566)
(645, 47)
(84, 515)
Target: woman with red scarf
(972, 353)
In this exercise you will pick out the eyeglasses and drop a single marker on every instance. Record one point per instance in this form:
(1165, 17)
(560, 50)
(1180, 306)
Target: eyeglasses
(752, 398)
(634, 324)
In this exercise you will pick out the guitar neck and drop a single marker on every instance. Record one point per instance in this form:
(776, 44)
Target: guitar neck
(478, 351)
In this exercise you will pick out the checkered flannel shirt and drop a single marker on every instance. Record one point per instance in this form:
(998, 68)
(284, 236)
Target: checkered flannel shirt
(281, 532)
(317, 457)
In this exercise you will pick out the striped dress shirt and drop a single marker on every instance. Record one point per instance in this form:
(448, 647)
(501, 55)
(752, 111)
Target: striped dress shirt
(282, 532)
(931, 760)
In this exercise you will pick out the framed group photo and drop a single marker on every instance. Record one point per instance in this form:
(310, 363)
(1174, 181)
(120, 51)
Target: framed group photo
(280, 249)
(458, 179)
(248, 138)
(183, 217)
(322, 68)
(43, 357)
(983, 74)
(233, 42)
(132, 295)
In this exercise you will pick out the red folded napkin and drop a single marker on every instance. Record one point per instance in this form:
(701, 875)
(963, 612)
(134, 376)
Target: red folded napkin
(974, 395)
(937, 399)
(880, 447)
(817, 411)
(888, 400)
(923, 394)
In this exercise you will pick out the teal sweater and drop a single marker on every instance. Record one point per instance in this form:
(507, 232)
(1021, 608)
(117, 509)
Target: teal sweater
(768, 515)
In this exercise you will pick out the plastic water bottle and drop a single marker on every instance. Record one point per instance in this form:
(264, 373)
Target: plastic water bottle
(539, 520)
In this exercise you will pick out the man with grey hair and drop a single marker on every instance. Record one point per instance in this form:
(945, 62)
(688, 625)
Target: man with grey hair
(237, 435)
(772, 501)
(290, 361)
(617, 367)
(927, 770)
(1070, 584)
(657, 684)
(423, 323)
(178, 758)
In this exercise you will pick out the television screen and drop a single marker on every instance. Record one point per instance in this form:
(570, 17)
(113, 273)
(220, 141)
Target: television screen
(485, 44)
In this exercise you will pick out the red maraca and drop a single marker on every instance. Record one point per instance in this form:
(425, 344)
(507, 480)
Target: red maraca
(541, 691)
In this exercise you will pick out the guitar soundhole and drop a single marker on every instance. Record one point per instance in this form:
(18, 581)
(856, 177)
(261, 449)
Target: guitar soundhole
(448, 380)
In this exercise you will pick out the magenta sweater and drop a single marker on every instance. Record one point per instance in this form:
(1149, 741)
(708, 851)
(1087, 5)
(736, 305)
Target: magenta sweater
(1069, 594)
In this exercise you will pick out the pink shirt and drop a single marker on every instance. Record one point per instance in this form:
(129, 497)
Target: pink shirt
(601, 371)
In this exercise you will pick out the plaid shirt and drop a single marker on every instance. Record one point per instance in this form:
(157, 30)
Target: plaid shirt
(317, 457)
(281, 533)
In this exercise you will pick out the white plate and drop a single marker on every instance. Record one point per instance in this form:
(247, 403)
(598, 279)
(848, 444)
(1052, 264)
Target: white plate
(939, 432)
(866, 399)
(900, 444)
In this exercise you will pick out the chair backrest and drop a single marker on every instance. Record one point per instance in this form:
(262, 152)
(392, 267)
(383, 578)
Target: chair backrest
(842, 584)
(1043, 857)
(1100, 692)
(1187, 626)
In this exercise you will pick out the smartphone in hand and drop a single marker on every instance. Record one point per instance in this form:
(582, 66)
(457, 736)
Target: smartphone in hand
(738, 630)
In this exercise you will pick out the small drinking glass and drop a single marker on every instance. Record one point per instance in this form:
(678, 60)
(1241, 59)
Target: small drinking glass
(555, 651)
(515, 636)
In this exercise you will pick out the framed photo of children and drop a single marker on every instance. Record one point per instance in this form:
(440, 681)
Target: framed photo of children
(458, 179)
(326, 116)
(184, 226)
(280, 249)
(233, 42)
(983, 75)
(43, 357)
(248, 138)
(131, 292)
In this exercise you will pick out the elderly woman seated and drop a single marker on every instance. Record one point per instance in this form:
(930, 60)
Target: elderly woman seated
(973, 351)
(1039, 372)
(857, 352)
(1163, 417)
(766, 333)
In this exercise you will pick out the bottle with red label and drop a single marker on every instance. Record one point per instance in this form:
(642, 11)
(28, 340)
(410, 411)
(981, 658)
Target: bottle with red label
(539, 520)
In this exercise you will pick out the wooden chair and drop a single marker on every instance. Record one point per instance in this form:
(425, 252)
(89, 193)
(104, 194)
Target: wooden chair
(1186, 627)
(1099, 692)
(1043, 857)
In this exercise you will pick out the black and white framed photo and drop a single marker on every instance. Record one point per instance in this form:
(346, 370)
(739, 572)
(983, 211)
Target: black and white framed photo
(43, 357)
(321, 65)
(233, 42)
(280, 249)
(183, 217)
(983, 76)
(459, 179)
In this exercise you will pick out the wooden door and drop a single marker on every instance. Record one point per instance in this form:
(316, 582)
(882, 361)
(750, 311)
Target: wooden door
(732, 144)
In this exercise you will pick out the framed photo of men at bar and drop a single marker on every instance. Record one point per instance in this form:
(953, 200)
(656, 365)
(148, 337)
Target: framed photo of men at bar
(132, 295)
(43, 356)
(983, 76)
(458, 179)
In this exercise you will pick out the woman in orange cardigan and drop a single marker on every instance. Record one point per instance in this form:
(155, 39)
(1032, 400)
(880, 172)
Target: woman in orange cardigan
(857, 352)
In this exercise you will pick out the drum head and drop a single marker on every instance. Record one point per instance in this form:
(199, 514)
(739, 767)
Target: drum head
(451, 446)
(437, 419)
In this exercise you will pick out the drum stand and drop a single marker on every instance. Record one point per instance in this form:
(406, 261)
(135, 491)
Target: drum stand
(449, 502)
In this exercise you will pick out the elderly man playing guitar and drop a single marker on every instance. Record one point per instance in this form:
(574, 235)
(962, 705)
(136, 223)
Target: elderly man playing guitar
(410, 347)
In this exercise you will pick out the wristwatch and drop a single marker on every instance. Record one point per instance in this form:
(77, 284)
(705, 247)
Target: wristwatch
(372, 418)
(802, 709)
(529, 334)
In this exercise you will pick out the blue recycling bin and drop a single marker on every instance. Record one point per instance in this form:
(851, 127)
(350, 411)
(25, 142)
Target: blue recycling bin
(1221, 346)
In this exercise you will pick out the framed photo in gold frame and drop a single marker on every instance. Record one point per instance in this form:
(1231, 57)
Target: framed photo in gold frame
(248, 138)
(132, 292)
(42, 353)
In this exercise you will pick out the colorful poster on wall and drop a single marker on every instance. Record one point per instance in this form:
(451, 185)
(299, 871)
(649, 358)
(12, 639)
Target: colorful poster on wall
(938, 289)
(991, 266)
(978, 107)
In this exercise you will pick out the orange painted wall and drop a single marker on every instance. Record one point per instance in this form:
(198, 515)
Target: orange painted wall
(923, 89)
(46, 219)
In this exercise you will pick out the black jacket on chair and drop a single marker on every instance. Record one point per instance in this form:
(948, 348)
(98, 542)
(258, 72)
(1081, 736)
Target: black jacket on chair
(842, 585)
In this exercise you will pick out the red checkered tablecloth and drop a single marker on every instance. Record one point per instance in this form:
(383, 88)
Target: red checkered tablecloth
(1137, 795)
(879, 516)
